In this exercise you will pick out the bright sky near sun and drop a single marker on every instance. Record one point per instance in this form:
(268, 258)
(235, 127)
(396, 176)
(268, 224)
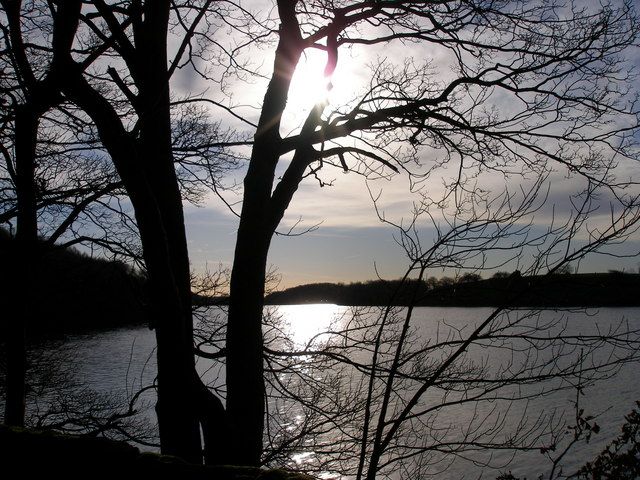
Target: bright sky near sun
(350, 243)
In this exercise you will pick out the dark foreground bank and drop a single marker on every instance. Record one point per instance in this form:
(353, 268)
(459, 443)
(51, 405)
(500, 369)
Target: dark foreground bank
(27, 454)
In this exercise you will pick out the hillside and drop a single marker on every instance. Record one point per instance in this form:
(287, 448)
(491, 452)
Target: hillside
(74, 292)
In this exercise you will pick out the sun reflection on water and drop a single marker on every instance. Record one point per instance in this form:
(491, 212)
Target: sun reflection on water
(305, 322)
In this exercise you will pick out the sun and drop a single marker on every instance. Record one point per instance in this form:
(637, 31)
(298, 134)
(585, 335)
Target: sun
(309, 86)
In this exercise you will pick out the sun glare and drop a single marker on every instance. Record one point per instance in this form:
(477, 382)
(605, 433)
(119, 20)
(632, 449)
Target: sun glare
(309, 85)
(306, 321)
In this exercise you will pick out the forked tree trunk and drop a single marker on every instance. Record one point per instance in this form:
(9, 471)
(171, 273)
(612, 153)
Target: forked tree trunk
(258, 221)
(145, 165)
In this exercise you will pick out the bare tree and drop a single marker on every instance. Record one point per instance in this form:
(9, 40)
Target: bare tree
(57, 187)
(513, 89)
(139, 133)
(384, 393)
(543, 353)
(136, 129)
(510, 89)
(36, 90)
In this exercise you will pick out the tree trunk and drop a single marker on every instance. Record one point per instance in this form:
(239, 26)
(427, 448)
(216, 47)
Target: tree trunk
(24, 263)
(177, 415)
(166, 258)
(245, 382)
(165, 247)
(145, 163)
(258, 221)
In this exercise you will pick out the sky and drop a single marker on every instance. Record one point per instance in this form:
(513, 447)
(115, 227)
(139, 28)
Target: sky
(348, 242)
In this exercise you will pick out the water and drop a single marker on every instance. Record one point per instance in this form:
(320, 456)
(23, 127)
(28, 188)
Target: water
(118, 363)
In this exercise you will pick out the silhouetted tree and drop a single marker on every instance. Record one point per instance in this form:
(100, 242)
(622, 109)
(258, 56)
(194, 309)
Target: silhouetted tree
(375, 395)
(500, 275)
(621, 458)
(524, 93)
(144, 160)
(36, 89)
(469, 277)
(140, 135)
(516, 88)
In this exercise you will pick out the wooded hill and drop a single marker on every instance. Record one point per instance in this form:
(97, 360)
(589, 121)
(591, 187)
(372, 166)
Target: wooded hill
(562, 290)
(74, 292)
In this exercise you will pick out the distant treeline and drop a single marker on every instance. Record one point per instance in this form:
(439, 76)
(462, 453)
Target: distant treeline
(74, 292)
(561, 290)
